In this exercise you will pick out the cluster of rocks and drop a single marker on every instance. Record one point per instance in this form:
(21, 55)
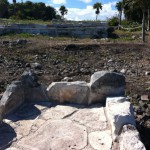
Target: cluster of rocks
(103, 84)
(14, 43)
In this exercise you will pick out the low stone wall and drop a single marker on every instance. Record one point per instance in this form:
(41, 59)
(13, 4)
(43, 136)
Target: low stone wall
(104, 87)
(69, 30)
(120, 116)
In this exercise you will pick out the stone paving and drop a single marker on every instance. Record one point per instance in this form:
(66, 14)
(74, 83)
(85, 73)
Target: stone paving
(45, 126)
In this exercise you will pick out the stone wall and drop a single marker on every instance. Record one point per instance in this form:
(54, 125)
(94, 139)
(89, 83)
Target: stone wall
(82, 30)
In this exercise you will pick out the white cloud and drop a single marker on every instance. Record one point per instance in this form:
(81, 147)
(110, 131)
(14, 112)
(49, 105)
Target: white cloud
(86, 1)
(58, 1)
(88, 13)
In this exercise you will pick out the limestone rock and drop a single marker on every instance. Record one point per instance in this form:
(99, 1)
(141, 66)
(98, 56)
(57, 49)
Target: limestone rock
(56, 135)
(32, 89)
(130, 139)
(101, 140)
(119, 112)
(29, 79)
(36, 65)
(12, 98)
(73, 92)
(93, 119)
(38, 93)
(106, 84)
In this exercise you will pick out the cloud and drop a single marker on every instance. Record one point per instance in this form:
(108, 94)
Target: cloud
(86, 1)
(58, 1)
(88, 13)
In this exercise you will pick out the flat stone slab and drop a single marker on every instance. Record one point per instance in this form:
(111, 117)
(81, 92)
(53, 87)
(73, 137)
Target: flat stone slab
(55, 135)
(93, 118)
(60, 127)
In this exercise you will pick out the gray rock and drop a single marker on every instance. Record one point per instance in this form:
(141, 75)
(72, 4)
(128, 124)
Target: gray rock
(106, 84)
(129, 139)
(71, 47)
(119, 112)
(20, 41)
(29, 79)
(35, 94)
(36, 65)
(12, 98)
(73, 92)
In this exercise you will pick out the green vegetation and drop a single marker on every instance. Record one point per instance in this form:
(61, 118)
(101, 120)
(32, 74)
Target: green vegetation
(19, 21)
(136, 11)
(98, 7)
(63, 11)
(27, 10)
(113, 21)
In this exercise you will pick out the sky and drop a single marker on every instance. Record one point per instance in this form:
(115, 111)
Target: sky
(83, 9)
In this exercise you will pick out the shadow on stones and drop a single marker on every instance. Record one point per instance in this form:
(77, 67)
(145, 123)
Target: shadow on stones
(24, 112)
(7, 135)
(144, 134)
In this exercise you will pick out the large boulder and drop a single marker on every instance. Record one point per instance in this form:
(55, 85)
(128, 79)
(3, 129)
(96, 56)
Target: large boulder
(29, 79)
(73, 92)
(119, 112)
(32, 89)
(129, 139)
(106, 84)
(12, 98)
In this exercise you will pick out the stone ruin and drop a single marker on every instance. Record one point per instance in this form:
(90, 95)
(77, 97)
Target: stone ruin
(107, 88)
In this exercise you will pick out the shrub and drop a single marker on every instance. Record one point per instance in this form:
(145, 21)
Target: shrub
(113, 21)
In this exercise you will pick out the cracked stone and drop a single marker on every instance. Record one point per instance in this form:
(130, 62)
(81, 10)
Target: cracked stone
(58, 112)
(56, 134)
(93, 118)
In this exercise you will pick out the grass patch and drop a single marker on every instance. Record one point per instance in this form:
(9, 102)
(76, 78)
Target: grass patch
(15, 21)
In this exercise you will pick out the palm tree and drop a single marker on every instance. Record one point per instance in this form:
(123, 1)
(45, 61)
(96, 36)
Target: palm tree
(142, 4)
(119, 7)
(63, 11)
(3, 8)
(148, 18)
(98, 7)
(14, 3)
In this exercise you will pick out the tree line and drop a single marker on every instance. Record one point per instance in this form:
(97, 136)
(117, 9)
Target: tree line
(27, 10)
(135, 11)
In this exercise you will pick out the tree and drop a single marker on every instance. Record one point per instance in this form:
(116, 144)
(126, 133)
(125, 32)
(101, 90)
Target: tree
(63, 11)
(148, 18)
(119, 7)
(3, 8)
(14, 3)
(142, 4)
(98, 7)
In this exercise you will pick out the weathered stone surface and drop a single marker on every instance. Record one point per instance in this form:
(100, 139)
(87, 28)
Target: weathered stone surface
(130, 139)
(58, 112)
(73, 92)
(29, 79)
(106, 84)
(33, 91)
(55, 135)
(12, 98)
(100, 140)
(93, 118)
(38, 93)
(119, 112)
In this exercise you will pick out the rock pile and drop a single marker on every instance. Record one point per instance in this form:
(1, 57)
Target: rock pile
(104, 87)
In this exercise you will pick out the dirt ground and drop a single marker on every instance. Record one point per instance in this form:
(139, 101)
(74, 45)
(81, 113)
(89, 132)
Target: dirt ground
(51, 60)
